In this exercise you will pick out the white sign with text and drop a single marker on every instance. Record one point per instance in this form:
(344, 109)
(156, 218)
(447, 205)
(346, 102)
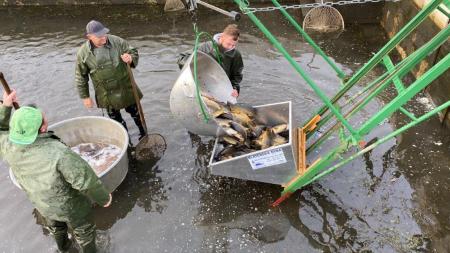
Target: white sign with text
(266, 159)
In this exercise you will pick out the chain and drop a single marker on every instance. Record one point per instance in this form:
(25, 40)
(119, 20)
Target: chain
(313, 5)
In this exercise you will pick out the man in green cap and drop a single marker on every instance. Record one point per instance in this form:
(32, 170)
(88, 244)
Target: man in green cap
(104, 58)
(57, 181)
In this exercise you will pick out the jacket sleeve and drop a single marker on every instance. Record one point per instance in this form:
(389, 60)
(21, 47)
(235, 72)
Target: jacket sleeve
(208, 48)
(5, 115)
(182, 58)
(82, 77)
(236, 72)
(81, 177)
(126, 48)
(205, 47)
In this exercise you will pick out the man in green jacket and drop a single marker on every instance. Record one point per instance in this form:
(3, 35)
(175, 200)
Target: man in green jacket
(104, 58)
(58, 182)
(230, 57)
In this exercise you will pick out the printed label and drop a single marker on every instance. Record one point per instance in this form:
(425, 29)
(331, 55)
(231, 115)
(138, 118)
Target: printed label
(266, 159)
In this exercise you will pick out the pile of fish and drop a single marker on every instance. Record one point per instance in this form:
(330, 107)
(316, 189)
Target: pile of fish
(243, 133)
(99, 156)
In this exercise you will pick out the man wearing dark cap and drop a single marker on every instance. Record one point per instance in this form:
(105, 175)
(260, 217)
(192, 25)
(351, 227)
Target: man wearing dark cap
(58, 182)
(104, 58)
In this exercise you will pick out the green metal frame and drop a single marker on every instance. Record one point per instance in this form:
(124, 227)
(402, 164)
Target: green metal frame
(336, 111)
(310, 41)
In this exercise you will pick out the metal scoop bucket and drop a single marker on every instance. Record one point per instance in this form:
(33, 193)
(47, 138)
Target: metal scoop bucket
(213, 81)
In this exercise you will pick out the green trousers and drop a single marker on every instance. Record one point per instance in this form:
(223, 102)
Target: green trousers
(83, 231)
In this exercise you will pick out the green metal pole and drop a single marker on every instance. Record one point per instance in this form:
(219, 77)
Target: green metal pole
(295, 65)
(412, 90)
(405, 31)
(316, 168)
(390, 67)
(410, 115)
(402, 69)
(327, 117)
(314, 173)
(382, 140)
(311, 42)
(408, 63)
(443, 11)
(376, 87)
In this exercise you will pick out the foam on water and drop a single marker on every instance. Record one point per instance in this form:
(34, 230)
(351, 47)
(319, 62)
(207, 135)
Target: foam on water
(99, 155)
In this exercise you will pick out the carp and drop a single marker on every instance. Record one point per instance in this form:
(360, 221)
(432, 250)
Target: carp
(279, 128)
(242, 132)
(212, 104)
(278, 140)
(229, 140)
(264, 140)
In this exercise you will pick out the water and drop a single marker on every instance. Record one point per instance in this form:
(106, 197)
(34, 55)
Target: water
(393, 199)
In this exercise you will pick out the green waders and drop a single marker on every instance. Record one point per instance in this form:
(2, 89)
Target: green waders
(83, 231)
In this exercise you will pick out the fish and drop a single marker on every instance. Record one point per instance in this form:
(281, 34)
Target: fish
(243, 119)
(225, 115)
(225, 157)
(244, 115)
(226, 153)
(264, 140)
(220, 112)
(225, 125)
(285, 134)
(229, 140)
(223, 122)
(212, 104)
(257, 130)
(242, 109)
(240, 129)
(279, 128)
(278, 140)
(233, 151)
(234, 133)
(241, 132)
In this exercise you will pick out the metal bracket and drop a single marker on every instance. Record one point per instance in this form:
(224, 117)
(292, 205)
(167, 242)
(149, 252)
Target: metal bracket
(192, 7)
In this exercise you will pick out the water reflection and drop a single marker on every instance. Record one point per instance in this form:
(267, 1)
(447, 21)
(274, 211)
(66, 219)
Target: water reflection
(325, 223)
(387, 160)
(228, 204)
(203, 149)
(141, 187)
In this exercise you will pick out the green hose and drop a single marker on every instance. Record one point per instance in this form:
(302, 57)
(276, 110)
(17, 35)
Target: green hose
(198, 35)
